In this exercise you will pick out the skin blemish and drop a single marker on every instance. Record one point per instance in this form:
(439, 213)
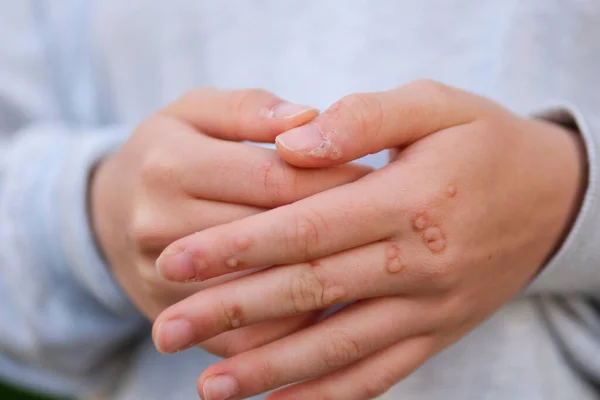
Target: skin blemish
(268, 165)
(326, 149)
(394, 262)
(333, 295)
(242, 242)
(314, 263)
(233, 316)
(452, 191)
(434, 239)
(419, 221)
(232, 262)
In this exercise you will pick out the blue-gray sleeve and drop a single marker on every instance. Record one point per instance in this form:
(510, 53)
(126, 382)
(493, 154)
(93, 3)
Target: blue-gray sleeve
(65, 325)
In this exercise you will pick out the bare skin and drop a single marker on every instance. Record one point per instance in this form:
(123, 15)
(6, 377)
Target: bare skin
(184, 170)
(471, 205)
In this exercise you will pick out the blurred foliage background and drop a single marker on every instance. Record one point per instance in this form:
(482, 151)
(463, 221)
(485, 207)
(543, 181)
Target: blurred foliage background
(8, 392)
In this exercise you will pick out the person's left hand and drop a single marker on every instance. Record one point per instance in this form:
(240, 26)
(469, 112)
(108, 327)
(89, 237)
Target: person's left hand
(462, 218)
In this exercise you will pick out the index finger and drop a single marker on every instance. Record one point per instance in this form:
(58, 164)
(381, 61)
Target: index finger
(326, 223)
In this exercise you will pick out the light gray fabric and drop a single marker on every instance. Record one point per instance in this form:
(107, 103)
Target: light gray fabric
(76, 74)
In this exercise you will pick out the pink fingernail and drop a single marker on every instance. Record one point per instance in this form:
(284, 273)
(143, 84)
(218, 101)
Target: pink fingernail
(176, 266)
(174, 335)
(288, 111)
(220, 387)
(304, 138)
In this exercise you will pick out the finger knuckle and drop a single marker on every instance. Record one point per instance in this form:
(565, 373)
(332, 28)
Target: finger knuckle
(266, 374)
(441, 276)
(430, 87)
(193, 95)
(142, 230)
(158, 168)
(340, 350)
(242, 100)
(306, 291)
(279, 182)
(365, 109)
(302, 235)
(449, 311)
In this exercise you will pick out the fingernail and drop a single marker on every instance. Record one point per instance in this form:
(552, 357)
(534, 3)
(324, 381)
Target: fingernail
(303, 138)
(174, 335)
(220, 387)
(288, 111)
(176, 266)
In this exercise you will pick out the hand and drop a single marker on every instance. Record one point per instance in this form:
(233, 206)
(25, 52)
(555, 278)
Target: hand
(474, 202)
(182, 172)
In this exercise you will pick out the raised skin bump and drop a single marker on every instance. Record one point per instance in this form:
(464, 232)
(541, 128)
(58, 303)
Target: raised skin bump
(233, 316)
(268, 165)
(242, 243)
(452, 191)
(232, 262)
(394, 262)
(420, 221)
(434, 239)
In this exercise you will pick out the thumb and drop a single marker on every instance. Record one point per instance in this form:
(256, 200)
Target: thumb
(366, 123)
(251, 114)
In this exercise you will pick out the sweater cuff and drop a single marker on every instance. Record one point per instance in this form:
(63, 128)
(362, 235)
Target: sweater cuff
(77, 240)
(52, 187)
(575, 267)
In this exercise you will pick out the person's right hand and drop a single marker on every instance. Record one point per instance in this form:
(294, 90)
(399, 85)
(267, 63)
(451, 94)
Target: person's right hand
(183, 170)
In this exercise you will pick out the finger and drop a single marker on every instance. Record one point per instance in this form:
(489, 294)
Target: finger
(378, 269)
(247, 338)
(157, 222)
(323, 224)
(367, 379)
(361, 124)
(315, 351)
(245, 174)
(255, 115)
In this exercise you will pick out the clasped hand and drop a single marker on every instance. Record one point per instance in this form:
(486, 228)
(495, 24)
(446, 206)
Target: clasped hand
(472, 203)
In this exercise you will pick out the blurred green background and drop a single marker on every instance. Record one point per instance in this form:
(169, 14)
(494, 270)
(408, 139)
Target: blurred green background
(8, 392)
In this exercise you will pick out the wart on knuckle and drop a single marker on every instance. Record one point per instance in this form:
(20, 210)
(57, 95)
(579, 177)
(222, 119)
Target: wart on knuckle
(233, 316)
(434, 239)
(394, 260)
(340, 350)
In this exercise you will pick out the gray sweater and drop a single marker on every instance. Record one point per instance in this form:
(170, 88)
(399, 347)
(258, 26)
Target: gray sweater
(76, 75)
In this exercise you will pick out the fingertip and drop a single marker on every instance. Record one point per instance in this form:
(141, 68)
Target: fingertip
(285, 116)
(176, 266)
(287, 111)
(307, 147)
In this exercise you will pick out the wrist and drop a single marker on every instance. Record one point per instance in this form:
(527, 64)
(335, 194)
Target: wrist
(573, 161)
(100, 210)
